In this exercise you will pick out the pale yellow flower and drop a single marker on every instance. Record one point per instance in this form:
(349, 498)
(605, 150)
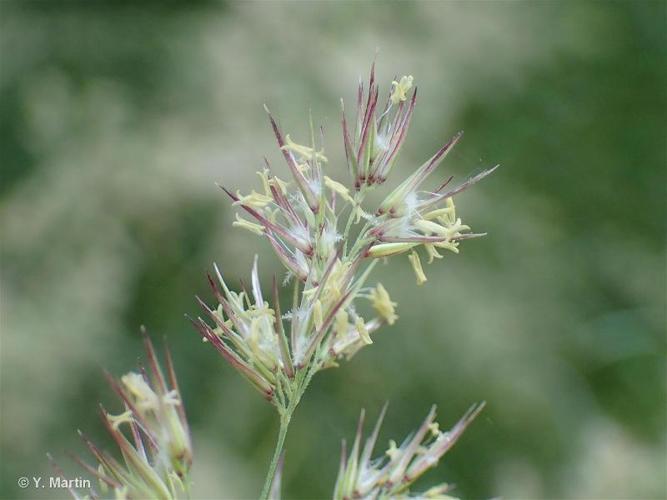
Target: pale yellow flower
(341, 324)
(417, 267)
(400, 89)
(254, 199)
(304, 152)
(362, 330)
(146, 398)
(392, 452)
(338, 188)
(388, 249)
(250, 226)
(432, 252)
(383, 305)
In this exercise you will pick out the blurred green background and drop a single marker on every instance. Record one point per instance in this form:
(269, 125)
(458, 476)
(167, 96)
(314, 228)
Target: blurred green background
(116, 120)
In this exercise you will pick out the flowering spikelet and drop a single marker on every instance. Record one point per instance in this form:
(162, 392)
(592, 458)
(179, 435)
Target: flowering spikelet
(152, 435)
(328, 241)
(379, 133)
(390, 476)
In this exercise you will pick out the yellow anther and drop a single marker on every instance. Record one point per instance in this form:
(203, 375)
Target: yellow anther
(455, 228)
(440, 212)
(383, 305)
(432, 252)
(393, 450)
(278, 183)
(452, 246)
(264, 176)
(450, 216)
(341, 324)
(400, 89)
(303, 151)
(145, 396)
(254, 200)
(388, 249)
(417, 267)
(339, 188)
(430, 227)
(250, 226)
(362, 330)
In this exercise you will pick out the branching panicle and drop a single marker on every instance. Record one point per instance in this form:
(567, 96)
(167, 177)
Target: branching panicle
(329, 240)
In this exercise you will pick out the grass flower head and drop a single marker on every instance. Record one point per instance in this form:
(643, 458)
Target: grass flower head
(151, 433)
(391, 475)
(328, 241)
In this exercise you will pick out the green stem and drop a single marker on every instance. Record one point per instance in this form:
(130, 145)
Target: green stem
(270, 475)
(303, 378)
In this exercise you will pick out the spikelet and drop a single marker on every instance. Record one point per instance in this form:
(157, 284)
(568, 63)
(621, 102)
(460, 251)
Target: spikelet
(151, 433)
(361, 475)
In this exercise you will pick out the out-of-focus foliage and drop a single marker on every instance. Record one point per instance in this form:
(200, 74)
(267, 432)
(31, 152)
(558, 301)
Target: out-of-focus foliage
(115, 121)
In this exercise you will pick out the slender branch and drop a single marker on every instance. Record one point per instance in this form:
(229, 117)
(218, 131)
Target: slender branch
(358, 198)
